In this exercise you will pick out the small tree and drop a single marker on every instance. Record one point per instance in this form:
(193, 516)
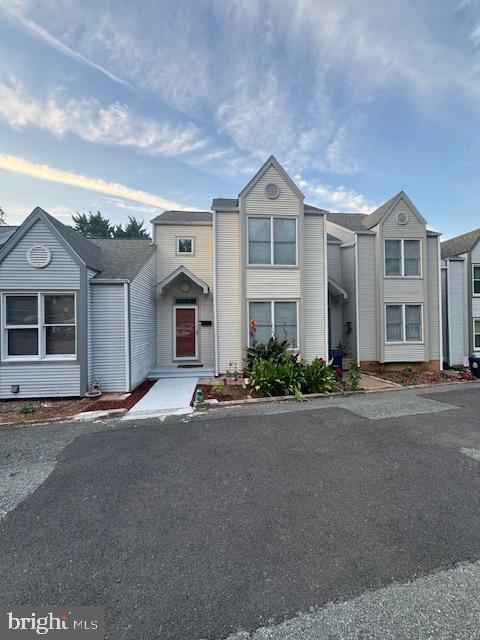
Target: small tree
(133, 229)
(93, 225)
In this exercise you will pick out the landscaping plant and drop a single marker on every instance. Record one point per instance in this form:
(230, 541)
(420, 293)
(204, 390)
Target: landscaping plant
(27, 408)
(354, 373)
(277, 351)
(218, 389)
(318, 376)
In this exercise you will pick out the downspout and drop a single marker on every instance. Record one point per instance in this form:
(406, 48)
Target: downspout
(440, 319)
(357, 313)
(126, 316)
(215, 329)
(449, 324)
(325, 260)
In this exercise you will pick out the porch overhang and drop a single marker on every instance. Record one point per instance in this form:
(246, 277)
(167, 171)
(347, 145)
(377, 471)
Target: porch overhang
(336, 289)
(182, 273)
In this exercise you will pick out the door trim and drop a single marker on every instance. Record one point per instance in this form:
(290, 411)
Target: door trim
(184, 306)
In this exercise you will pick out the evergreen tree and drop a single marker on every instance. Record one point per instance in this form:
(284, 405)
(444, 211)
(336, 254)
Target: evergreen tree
(93, 225)
(133, 229)
(3, 219)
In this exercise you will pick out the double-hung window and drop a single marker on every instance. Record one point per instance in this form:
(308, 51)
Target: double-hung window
(38, 326)
(476, 334)
(275, 318)
(476, 279)
(403, 322)
(403, 258)
(272, 241)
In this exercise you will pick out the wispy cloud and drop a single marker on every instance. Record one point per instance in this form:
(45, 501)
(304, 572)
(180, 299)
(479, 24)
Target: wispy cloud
(113, 124)
(335, 199)
(15, 15)
(23, 166)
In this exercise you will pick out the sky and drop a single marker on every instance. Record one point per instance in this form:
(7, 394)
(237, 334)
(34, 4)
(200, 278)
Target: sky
(134, 107)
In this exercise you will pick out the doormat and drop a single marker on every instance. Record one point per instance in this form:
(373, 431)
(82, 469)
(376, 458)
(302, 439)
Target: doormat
(189, 366)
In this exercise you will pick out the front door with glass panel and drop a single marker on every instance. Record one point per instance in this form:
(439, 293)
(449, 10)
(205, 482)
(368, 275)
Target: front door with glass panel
(185, 333)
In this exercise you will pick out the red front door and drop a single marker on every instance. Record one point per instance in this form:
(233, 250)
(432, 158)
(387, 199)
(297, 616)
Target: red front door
(185, 332)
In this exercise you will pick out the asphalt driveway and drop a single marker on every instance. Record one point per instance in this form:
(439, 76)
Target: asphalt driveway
(200, 528)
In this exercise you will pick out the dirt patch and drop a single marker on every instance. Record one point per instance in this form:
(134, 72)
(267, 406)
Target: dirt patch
(231, 392)
(125, 403)
(407, 377)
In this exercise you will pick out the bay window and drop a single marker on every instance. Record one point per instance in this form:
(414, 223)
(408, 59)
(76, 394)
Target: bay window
(272, 241)
(275, 318)
(403, 258)
(403, 323)
(38, 326)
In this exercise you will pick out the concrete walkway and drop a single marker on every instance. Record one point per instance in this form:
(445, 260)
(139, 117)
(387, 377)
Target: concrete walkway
(370, 383)
(168, 395)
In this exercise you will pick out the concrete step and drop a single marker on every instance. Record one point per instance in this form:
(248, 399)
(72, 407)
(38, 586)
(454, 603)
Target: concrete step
(159, 373)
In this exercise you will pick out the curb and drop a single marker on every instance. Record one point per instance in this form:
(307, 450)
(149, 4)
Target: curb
(311, 396)
(86, 416)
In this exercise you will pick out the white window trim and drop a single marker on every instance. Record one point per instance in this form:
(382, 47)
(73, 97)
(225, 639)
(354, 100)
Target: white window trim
(272, 245)
(402, 260)
(272, 318)
(40, 326)
(404, 326)
(184, 253)
(184, 306)
(475, 349)
(475, 295)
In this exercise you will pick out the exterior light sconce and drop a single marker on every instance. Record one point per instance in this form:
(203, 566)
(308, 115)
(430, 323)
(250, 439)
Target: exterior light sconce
(348, 327)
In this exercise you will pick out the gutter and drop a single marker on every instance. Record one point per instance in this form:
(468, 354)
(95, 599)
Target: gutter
(126, 315)
(325, 260)
(357, 312)
(449, 328)
(440, 319)
(215, 328)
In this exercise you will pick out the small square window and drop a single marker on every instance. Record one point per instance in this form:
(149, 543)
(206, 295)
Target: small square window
(185, 245)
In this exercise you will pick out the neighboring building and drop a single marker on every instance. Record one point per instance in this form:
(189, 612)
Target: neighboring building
(74, 309)
(389, 264)
(461, 297)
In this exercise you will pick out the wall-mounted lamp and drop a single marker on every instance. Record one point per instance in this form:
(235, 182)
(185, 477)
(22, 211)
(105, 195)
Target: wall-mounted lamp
(348, 327)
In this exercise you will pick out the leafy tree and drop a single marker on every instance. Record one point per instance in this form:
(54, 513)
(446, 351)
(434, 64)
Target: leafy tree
(133, 229)
(93, 225)
(2, 216)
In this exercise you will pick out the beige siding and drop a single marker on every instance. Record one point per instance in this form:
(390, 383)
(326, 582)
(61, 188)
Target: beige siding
(404, 352)
(458, 322)
(257, 202)
(62, 272)
(314, 288)
(403, 290)
(272, 283)
(433, 301)
(201, 264)
(229, 290)
(413, 229)
(334, 262)
(367, 299)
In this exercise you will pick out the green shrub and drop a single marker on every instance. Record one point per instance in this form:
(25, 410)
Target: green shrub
(27, 408)
(354, 373)
(218, 389)
(407, 372)
(276, 351)
(318, 376)
(268, 378)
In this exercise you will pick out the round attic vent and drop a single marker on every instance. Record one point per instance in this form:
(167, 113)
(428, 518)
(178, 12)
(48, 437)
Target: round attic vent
(38, 256)
(401, 217)
(272, 191)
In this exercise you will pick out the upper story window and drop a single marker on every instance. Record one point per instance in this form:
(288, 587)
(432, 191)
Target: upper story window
(403, 258)
(272, 241)
(185, 245)
(39, 325)
(476, 279)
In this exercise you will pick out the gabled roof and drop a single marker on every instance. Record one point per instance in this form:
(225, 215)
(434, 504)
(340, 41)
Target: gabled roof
(183, 271)
(122, 258)
(113, 258)
(271, 162)
(460, 244)
(183, 217)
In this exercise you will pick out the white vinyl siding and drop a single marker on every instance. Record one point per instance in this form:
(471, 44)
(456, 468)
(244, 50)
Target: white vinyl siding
(256, 202)
(367, 298)
(314, 311)
(143, 346)
(349, 315)
(433, 299)
(40, 379)
(61, 273)
(108, 336)
(275, 283)
(459, 325)
(229, 290)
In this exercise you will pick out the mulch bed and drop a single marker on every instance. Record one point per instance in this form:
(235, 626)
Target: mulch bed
(413, 378)
(232, 392)
(39, 410)
(127, 403)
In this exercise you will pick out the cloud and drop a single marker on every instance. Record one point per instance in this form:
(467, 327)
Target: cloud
(336, 199)
(15, 15)
(16, 164)
(113, 124)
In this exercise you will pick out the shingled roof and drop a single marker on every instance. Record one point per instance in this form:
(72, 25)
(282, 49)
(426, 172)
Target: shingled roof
(122, 258)
(182, 217)
(460, 244)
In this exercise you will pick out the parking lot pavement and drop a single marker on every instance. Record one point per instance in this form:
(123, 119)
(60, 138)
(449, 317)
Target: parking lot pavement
(237, 522)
